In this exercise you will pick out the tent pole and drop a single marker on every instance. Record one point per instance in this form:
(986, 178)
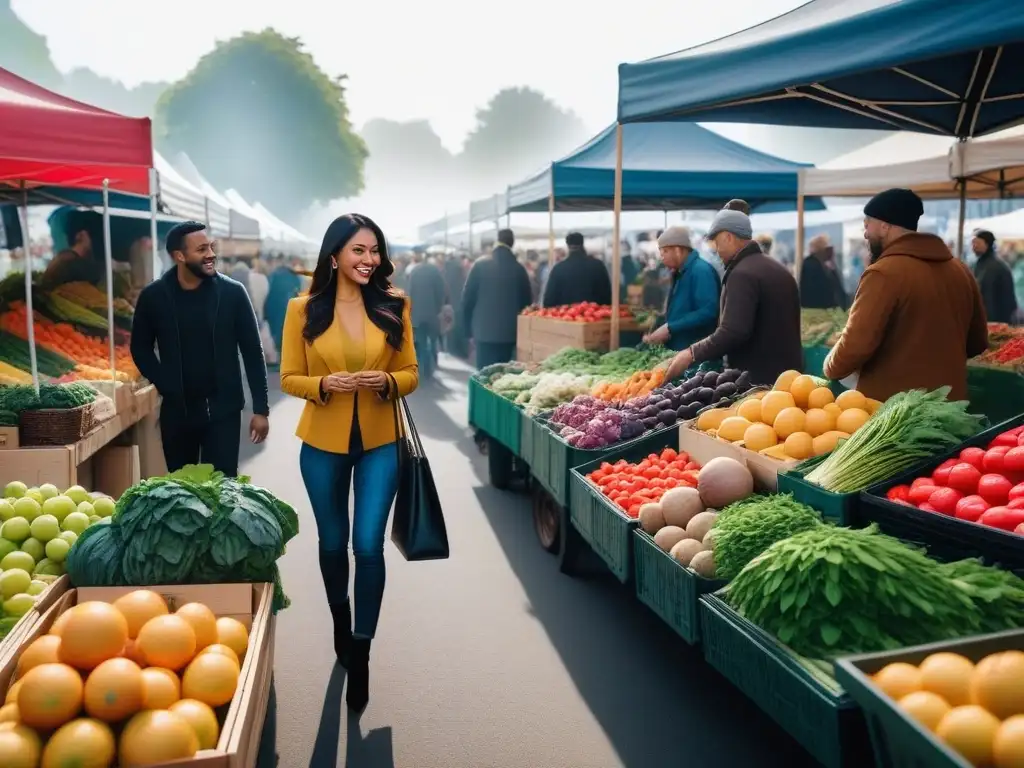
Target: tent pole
(798, 257)
(446, 231)
(551, 230)
(108, 254)
(617, 234)
(30, 321)
(148, 273)
(962, 219)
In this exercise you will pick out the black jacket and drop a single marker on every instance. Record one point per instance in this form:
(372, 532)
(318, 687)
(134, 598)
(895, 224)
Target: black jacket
(578, 277)
(496, 291)
(820, 284)
(234, 329)
(995, 280)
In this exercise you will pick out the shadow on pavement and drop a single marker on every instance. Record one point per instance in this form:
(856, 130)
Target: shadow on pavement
(328, 735)
(654, 696)
(374, 750)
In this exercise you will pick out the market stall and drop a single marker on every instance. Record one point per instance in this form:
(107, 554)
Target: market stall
(242, 236)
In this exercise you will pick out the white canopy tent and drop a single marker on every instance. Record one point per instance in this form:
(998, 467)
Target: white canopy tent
(1008, 226)
(241, 225)
(187, 201)
(287, 229)
(273, 232)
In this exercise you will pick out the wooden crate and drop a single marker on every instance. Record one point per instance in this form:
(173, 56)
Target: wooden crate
(242, 726)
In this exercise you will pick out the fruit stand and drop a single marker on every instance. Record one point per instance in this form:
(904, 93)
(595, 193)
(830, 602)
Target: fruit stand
(713, 503)
(540, 333)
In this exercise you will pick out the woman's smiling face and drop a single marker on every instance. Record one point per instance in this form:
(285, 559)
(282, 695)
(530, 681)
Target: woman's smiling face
(360, 257)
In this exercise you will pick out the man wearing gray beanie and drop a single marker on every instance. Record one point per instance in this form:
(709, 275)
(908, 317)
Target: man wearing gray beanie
(691, 312)
(918, 314)
(759, 323)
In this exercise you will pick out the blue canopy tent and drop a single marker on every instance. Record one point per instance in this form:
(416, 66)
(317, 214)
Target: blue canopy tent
(950, 68)
(665, 166)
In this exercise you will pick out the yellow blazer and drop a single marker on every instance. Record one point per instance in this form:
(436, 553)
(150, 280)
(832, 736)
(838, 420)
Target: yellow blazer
(326, 424)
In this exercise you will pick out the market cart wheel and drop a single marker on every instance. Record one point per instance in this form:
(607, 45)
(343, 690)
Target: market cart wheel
(546, 519)
(499, 464)
(571, 546)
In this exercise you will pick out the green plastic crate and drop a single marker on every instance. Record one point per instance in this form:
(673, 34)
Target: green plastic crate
(667, 588)
(814, 360)
(830, 727)
(527, 430)
(495, 416)
(602, 524)
(898, 741)
(840, 508)
(995, 393)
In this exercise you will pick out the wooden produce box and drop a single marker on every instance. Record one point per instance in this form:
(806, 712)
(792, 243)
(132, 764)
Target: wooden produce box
(242, 726)
(704, 447)
(8, 438)
(43, 603)
(537, 338)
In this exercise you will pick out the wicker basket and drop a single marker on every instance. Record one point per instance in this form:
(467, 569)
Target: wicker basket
(52, 426)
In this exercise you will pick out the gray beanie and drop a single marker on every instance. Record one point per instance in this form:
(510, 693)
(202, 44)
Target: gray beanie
(731, 221)
(679, 236)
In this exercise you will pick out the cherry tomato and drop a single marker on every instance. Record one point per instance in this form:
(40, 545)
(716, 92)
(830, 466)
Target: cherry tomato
(970, 508)
(1014, 460)
(995, 489)
(964, 477)
(926, 507)
(973, 456)
(994, 457)
(944, 500)
(1003, 518)
(921, 494)
(898, 493)
(941, 473)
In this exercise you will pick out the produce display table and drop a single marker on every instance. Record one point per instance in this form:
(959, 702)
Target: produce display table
(496, 416)
(69, 465)
(994, 392)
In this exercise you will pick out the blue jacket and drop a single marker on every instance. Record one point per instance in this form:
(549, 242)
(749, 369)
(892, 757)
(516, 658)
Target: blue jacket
(692, 308)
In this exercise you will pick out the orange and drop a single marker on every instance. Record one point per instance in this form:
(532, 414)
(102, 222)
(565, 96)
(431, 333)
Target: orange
(160, 688)
(998, 684)
(785, 380)
(898, 679)
(211, 678)
(789, 421)
(971, 731)
(93, 633)
(57, 628)
(20, 746)
(9, 713)
(139, 607)
(42, 650)
(50, 695)
(832, 408)
(801, 389)
(948, 675)
(12, 693)
(202, 719)
(851, 398)
(820, 397)
(155, 736)
(1008, 746)
(223, 649)
(799, 445)
(114, 690)
(167, 641)
(852, 419)
(926, 707)
(82, 743)
(203, 622)
(773, 404)
(818, 421)
(131, 651)
(233, 634)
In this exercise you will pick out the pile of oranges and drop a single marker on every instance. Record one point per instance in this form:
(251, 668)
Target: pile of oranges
(975, 709)
(125, 683)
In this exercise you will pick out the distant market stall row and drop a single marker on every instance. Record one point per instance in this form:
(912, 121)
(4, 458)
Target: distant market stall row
(804, 536)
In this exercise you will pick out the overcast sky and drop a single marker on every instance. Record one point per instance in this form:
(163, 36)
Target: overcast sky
(406, 59)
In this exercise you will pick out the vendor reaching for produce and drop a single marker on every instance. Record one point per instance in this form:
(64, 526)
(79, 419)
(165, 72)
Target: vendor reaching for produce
(918, 314)
(692, 310)
(578, 277)
(759, 324)
(199, 321)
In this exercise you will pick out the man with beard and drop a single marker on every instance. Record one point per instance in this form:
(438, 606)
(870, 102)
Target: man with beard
(917, 315)
(199, 321)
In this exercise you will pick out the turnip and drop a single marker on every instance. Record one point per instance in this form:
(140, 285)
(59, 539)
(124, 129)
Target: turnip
(680, 505)
(700, 525)
(669, 536)
(724, 480)
(652, 518)
(685, 550)
(703, 564)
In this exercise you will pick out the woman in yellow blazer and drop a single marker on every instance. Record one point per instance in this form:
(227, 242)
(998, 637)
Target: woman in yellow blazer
(347, 349)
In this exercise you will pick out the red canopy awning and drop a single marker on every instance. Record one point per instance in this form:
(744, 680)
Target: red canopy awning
(51, 140)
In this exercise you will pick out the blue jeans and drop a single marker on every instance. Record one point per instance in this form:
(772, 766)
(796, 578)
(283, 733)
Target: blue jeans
(328, 477)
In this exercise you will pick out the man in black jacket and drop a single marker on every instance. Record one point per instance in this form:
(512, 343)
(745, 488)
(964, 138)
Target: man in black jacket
(995, 280)
(199, 321)
(578, 277)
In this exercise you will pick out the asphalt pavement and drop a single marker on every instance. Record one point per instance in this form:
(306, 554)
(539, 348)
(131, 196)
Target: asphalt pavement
(492, 659)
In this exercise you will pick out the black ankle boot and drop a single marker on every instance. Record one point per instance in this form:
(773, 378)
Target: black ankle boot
(334, 570)
(358, 694)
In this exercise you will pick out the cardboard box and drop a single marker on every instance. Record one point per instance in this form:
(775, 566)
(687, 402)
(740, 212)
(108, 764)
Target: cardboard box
(703, 447)
(242, 726)
(8, 438)
(115, 469)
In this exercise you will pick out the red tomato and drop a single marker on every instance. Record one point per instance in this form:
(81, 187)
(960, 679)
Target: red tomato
(1019, 529)
(993, 461)
(973, 456)
(926, 507)
(941, 473)
(944, 500)
(1017, 492)
(995, 489)
(971, 508)
(898, 493)
(1003, 518)
(964, 477)
(1009, 439)
(1014, 460)
(1017, 503)
(921, 494)
(922, 481)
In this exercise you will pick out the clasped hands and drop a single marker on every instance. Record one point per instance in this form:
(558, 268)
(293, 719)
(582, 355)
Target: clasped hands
(350, 382)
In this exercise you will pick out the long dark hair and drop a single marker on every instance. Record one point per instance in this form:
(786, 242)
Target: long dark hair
(383, 304)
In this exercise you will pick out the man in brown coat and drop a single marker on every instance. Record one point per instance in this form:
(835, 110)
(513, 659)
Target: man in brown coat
(759, 323)
(918, 314)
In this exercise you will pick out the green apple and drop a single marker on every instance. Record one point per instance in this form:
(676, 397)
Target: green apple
(16, 529)
(15, 490)
(70, 537)
(34, 547)
(18, 559)
(76, 522)
(48, 490)
(28, 508)
(13, 581)
(37, 587)
(45, 527)
(6, 510)
(57, 550)
(103, 506)
(6, 547)
(19, 604)
(77, 494)
(35, 495)
(86, 508)
(59, 506)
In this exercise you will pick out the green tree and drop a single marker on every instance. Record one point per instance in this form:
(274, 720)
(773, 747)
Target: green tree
(85, 85)
(518, 131)
(404, 151)
(257, 114)
(25, 52)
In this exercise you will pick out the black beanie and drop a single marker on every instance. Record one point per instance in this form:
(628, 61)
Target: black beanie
(899, 207)
(985, 236)
(574, 240)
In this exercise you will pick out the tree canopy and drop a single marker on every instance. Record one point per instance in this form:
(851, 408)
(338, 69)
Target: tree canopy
(519, 130)
(25, 52)
(258, 114)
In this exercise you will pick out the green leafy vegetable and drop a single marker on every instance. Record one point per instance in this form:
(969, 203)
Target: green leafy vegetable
(748, 527)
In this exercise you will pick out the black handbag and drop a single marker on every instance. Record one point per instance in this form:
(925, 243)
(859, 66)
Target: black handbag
(418, 528)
